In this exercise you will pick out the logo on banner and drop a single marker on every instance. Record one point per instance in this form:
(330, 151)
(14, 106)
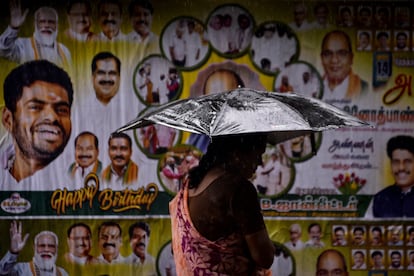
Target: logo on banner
(15, 204)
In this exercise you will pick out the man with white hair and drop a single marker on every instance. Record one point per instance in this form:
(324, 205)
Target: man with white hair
(295, 233)
(44, 259)
(42, 45)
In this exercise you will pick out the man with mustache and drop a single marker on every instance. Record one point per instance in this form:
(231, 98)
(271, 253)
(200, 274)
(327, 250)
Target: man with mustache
(80, 244)
(42, 45)
(140, 13)
(396, 260)
(110, 19)
(44, 259)
(358, 235)
(110, 242)
(397, 200)
(80, 21)
(144, 263)
(122, 172)
(86, 157)
(315, 235)
(38, 97)
(106, 75)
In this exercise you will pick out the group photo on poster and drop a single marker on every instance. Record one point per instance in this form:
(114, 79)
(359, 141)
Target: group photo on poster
(88, 189)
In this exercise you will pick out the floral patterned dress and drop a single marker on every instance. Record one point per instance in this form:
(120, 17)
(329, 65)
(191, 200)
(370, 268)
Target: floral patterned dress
(196, 255)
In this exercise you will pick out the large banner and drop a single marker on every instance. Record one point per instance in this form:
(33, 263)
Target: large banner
(104, 196)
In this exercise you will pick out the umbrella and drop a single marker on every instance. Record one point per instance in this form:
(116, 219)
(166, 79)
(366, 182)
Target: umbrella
(244, 110)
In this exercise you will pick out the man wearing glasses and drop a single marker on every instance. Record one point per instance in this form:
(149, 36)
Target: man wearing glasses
(340, 82)
(80, 244)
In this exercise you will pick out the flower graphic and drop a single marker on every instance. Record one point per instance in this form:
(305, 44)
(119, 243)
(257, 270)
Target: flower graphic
(349, 183)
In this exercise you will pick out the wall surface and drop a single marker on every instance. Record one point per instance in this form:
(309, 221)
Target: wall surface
(256, 44)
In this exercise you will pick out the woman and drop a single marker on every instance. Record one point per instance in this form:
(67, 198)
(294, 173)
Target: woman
(217, 227)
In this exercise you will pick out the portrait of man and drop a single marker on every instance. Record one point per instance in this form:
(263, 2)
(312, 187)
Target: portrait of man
(295, 234)
(396, 260)
(340, 82)
(401, 41)
(364, 16)
(139, 236)
(358, 260)
(315, 236)
(321, 14)
(346, 16)
(106, 75)
(79, 15)
(383, 41)
(397, 200)
(376, 236)
(358, 236)
(300, 17)
(43, 43)
(339, 236)
(410, 256)
(86, 157)
(377, 259)
(410, 235)
(110, 242)
(364, 41)
(382, 17)
(45, 254)
(141, 15)
(110, 20)
(38, 96)
(395, 235)
(331, 262)
(122, 172)
(79, 239)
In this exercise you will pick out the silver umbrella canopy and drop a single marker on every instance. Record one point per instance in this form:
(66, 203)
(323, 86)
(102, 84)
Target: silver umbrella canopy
(244, 110)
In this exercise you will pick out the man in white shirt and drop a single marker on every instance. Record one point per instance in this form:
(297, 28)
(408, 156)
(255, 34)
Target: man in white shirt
(321, 13)
(110, 242)
(315, 234)
(42, 45)
(401, 41)
(358, 259)
(86, 157)
(38, 137)
(80, 244)
(295, 232)
(143, 262)
(396, 260)
(110, 19)
(178, 47)
(300, 21)
(364, 41)
(122, 173)
(339, 236)
(80, 21)
(44, 259)
(141, 14)
(340, 82)
(193, 44)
